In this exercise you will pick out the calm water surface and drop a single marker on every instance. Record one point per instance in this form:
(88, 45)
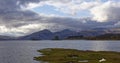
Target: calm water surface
(24, 51)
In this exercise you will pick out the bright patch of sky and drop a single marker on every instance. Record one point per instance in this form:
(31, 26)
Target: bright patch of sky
(51, 10)
(48, 10)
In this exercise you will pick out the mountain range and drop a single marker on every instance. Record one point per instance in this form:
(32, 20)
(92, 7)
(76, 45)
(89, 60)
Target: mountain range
(63, 34)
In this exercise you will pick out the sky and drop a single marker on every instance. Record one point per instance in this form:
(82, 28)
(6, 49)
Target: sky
(22, 17)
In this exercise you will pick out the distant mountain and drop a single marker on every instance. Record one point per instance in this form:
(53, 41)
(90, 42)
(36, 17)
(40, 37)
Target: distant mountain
(48, 35)
(40, 35)
(100, 31)
(109, 30)
(114, 30)
(91, 33)
(7, 37)
(64, 34)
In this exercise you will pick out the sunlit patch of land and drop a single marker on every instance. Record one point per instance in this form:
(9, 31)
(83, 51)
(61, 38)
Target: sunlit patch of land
(59, 55)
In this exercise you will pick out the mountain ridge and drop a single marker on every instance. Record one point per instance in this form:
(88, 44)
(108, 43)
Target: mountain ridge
(63, 34)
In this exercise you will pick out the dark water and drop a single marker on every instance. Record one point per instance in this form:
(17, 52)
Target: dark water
(24, 51)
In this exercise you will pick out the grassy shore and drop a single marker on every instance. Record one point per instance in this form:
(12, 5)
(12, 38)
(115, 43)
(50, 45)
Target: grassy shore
(58, 55)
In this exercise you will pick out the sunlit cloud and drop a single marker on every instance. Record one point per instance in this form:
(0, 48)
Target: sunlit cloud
(108, 11)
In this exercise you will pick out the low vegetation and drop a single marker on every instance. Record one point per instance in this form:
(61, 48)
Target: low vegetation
(100, 37)
(106, 37)
(59, 55)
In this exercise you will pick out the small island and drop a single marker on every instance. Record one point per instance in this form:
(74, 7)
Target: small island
(59, 55)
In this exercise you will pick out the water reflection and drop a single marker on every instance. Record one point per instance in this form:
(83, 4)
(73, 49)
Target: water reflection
(100, 45)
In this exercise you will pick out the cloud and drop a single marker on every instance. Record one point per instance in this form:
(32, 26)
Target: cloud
(12, 17)
(108, 11)
(101, 11)
(17, 17)
(10, 11)
(66, 6)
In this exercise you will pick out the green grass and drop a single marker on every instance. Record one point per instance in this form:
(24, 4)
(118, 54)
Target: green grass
(58, 55)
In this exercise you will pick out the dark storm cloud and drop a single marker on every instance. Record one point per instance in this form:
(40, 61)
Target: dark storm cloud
(10, 11)
(75, 23)
(15, 4)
